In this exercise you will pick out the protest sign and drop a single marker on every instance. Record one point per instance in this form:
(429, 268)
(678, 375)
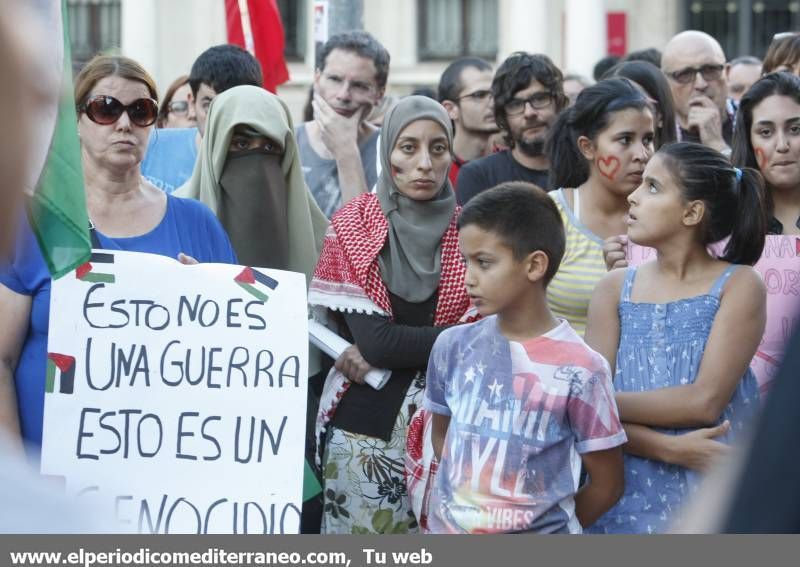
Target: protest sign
(779, 267)
(176, 395)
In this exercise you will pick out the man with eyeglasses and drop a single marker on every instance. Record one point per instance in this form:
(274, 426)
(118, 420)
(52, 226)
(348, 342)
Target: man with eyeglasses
(338, 148)
(465, 90)
(694, 64)
(528, 94)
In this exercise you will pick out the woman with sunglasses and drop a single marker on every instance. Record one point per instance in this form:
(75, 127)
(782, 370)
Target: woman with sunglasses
(116, 103)
(177, 110)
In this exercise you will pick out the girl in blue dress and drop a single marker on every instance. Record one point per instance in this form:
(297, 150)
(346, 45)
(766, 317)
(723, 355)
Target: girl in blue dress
(681, 330)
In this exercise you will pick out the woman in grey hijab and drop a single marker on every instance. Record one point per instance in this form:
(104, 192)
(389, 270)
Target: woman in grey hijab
(391, 273)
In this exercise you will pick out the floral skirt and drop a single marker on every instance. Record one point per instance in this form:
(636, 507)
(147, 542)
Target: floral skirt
(365, 486)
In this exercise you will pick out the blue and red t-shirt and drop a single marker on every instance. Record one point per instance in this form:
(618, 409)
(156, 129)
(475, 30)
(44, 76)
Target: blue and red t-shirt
(521, 414)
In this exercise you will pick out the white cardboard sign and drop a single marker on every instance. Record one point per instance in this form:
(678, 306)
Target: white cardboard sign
(176, 395)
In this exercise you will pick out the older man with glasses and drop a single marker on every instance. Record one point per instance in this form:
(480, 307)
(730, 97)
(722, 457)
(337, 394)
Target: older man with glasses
(528, 93)
(694, 64)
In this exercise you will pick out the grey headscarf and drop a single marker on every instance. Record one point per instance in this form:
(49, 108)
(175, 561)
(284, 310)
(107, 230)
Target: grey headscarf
(411, 261)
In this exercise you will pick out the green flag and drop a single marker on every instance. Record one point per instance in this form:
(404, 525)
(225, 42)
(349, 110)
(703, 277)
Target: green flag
(311, 485)
(58, 206)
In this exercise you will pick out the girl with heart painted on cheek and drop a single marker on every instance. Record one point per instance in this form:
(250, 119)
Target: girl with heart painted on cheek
(597, 149)
(767, 137)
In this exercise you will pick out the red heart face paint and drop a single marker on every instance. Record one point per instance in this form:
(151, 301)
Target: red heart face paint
(761, 159)
(608, 167)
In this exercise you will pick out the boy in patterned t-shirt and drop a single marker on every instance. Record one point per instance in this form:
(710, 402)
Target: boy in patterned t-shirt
(518, 399)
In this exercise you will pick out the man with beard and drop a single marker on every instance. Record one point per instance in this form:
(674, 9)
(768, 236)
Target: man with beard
(465, 90)
(528, 93)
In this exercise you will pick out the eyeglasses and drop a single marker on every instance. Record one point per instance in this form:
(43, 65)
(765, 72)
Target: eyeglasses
(686, 76)
(784, 35)
(104, 109)
(477, 96)
(178, 107)
(536, 100)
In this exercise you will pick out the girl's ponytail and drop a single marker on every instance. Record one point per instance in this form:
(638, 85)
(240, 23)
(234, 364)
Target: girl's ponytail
(568, 167)
(750, 225)
(734, 198)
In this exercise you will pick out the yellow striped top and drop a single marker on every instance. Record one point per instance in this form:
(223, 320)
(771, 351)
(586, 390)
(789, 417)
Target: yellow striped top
(581, 268)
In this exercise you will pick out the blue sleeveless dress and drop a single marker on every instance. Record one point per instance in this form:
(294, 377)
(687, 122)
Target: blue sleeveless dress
(661, 345)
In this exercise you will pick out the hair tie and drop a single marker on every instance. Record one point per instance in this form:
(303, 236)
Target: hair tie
(738, 173)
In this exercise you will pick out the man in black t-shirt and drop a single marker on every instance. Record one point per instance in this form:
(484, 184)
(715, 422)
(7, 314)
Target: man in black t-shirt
(528, 93)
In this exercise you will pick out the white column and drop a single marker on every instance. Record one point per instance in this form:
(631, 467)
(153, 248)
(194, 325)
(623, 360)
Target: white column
(652, 24)
(523, 27)
(139, 31)
(394, 24)
(166, 37)
(586, 36)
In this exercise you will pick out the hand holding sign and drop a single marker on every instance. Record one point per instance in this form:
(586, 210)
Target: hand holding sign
(187, 260)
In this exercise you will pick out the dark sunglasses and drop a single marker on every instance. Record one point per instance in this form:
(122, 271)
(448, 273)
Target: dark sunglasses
(686, 76)
(104, 109)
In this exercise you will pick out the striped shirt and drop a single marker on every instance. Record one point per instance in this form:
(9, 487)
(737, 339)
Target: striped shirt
(581, 268)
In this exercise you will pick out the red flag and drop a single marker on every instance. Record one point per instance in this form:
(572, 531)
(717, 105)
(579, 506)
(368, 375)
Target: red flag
(256, 26)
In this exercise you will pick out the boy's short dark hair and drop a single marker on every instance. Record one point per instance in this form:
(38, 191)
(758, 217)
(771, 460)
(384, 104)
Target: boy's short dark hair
(362, 44)
(450, 82)
(602, 66)
(223, 67)
(651, 55)
(524, 217)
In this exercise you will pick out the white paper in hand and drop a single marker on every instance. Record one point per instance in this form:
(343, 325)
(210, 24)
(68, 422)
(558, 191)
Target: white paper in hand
(333, 345)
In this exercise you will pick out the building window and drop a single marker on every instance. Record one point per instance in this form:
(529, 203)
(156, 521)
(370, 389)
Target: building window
(94, 27)
(762, 19)
(293, 16)
(454, 28)
(770, 18)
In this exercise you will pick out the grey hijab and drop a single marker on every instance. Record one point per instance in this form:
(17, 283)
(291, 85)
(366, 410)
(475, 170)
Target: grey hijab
(411, 261)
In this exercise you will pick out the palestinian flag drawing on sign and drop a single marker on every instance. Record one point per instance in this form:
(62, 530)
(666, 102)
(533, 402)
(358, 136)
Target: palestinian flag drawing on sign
(63, 367)
(255, 283)
(88, 272)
